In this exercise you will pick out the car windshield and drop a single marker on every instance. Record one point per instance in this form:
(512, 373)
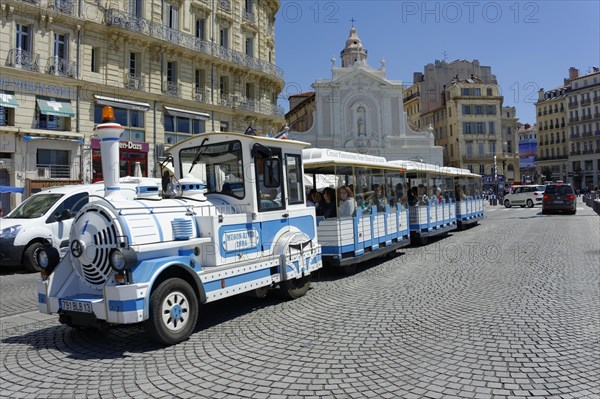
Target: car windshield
(34, 206)
(559, 190)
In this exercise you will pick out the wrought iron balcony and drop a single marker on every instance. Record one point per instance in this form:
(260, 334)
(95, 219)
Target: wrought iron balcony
(62, 6)
(202, 95)
(227, 100)
(18, 58)
(249, 16)
(32, 1)
(225, 5)
(61, 67)
(586, 101)
(171, 88)
(573, 104)
(133, 81)
(158, 31)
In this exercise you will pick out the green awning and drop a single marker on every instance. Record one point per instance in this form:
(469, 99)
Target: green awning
(55, 107)
(8, 100)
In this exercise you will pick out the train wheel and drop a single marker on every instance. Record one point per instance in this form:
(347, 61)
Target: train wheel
(294, 288)
(173, 312)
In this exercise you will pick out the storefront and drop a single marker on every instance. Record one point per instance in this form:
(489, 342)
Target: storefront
(130, 153)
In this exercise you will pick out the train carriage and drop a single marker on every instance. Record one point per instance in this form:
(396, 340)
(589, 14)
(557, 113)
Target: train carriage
(469, 197)
(379, 222)
(430, 198)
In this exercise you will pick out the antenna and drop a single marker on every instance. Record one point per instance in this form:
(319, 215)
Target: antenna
(445, 54)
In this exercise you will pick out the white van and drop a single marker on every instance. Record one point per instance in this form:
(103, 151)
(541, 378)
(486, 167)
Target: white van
(529, 196)
(44, 218)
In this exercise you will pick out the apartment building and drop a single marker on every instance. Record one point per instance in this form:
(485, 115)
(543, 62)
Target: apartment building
(170, 69)
(461, 101)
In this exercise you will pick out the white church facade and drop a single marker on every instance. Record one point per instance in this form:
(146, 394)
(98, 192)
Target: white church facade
(360, 110)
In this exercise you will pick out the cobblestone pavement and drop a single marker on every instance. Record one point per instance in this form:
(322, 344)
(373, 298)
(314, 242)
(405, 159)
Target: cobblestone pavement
(509, 308)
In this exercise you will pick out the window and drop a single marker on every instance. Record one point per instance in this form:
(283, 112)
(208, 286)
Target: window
(477, 91)
(481, 149)
(135, 8)
(492, 128)
(250, 91)
(60, 46)
(220, 165)
(294, 179)
(482, 169)
(23, 38)
(464, 91)
(74, 203)
(201, 28)
(490, 110)
(132, 120)
(469, 145)
(492, 145)
(133, 70)
(480, 128)
(466, 110)
(478, 110)
(95, 62)
(248, 5)
(179, 128)
(46, 119)
(172, 72)
(223, 85)
(58, 161)
(224, 37)
(172, 16)
(467, 128)
(489, 91)
(250, 47)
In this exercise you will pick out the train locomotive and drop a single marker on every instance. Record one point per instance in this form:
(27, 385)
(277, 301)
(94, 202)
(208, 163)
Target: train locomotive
(233, 221)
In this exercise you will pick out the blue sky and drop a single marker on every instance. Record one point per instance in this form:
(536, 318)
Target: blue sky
(529, 44)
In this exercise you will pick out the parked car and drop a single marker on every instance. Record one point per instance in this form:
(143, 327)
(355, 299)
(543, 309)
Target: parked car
(559, 197)
(529, 196)
(44, 218)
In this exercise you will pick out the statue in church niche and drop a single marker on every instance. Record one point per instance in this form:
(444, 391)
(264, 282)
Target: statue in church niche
(361, 118)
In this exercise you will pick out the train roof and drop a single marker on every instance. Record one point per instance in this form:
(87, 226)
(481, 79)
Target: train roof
(225, 136)
(323, 158)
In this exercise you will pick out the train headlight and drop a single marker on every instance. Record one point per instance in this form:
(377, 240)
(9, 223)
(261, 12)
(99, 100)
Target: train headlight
(122, 258)
(47, 258)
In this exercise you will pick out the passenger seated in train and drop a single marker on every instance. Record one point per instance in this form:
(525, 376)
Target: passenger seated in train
(378, 199)
(327, 207)
(347, 204)
(413, 196)
(422, 195)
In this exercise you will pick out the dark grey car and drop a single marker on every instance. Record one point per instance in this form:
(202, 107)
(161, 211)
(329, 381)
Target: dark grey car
(559, 197)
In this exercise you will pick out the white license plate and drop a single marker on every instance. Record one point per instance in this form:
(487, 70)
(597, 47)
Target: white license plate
(76, 306)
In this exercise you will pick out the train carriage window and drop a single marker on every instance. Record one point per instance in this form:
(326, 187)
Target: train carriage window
(294, 179)
(268, 179)
(219, 165)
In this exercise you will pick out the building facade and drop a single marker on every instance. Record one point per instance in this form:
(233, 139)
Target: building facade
(462, 102)
(553, 140)
(360, 110)
(169, 69)
(568, 120)
(583, 102)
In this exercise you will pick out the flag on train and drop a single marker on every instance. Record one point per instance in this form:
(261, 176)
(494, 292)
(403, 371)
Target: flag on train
(250, 130)
(283, 134)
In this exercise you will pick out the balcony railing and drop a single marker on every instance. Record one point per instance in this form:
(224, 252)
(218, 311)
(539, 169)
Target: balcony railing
(586, 117)
(32, 1)
(133, 81)
(574, 119)
(588, 151)
(587, 101)
(62, 6)
(18, 58)
(202, 95)
(225, 5)
(586, 134)
(61, 67)
(249, 16)
(54, 171)
(575, 135)
(596, 100)
(158, 31)
(576, 152)
(573, 104)
(171, 88)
